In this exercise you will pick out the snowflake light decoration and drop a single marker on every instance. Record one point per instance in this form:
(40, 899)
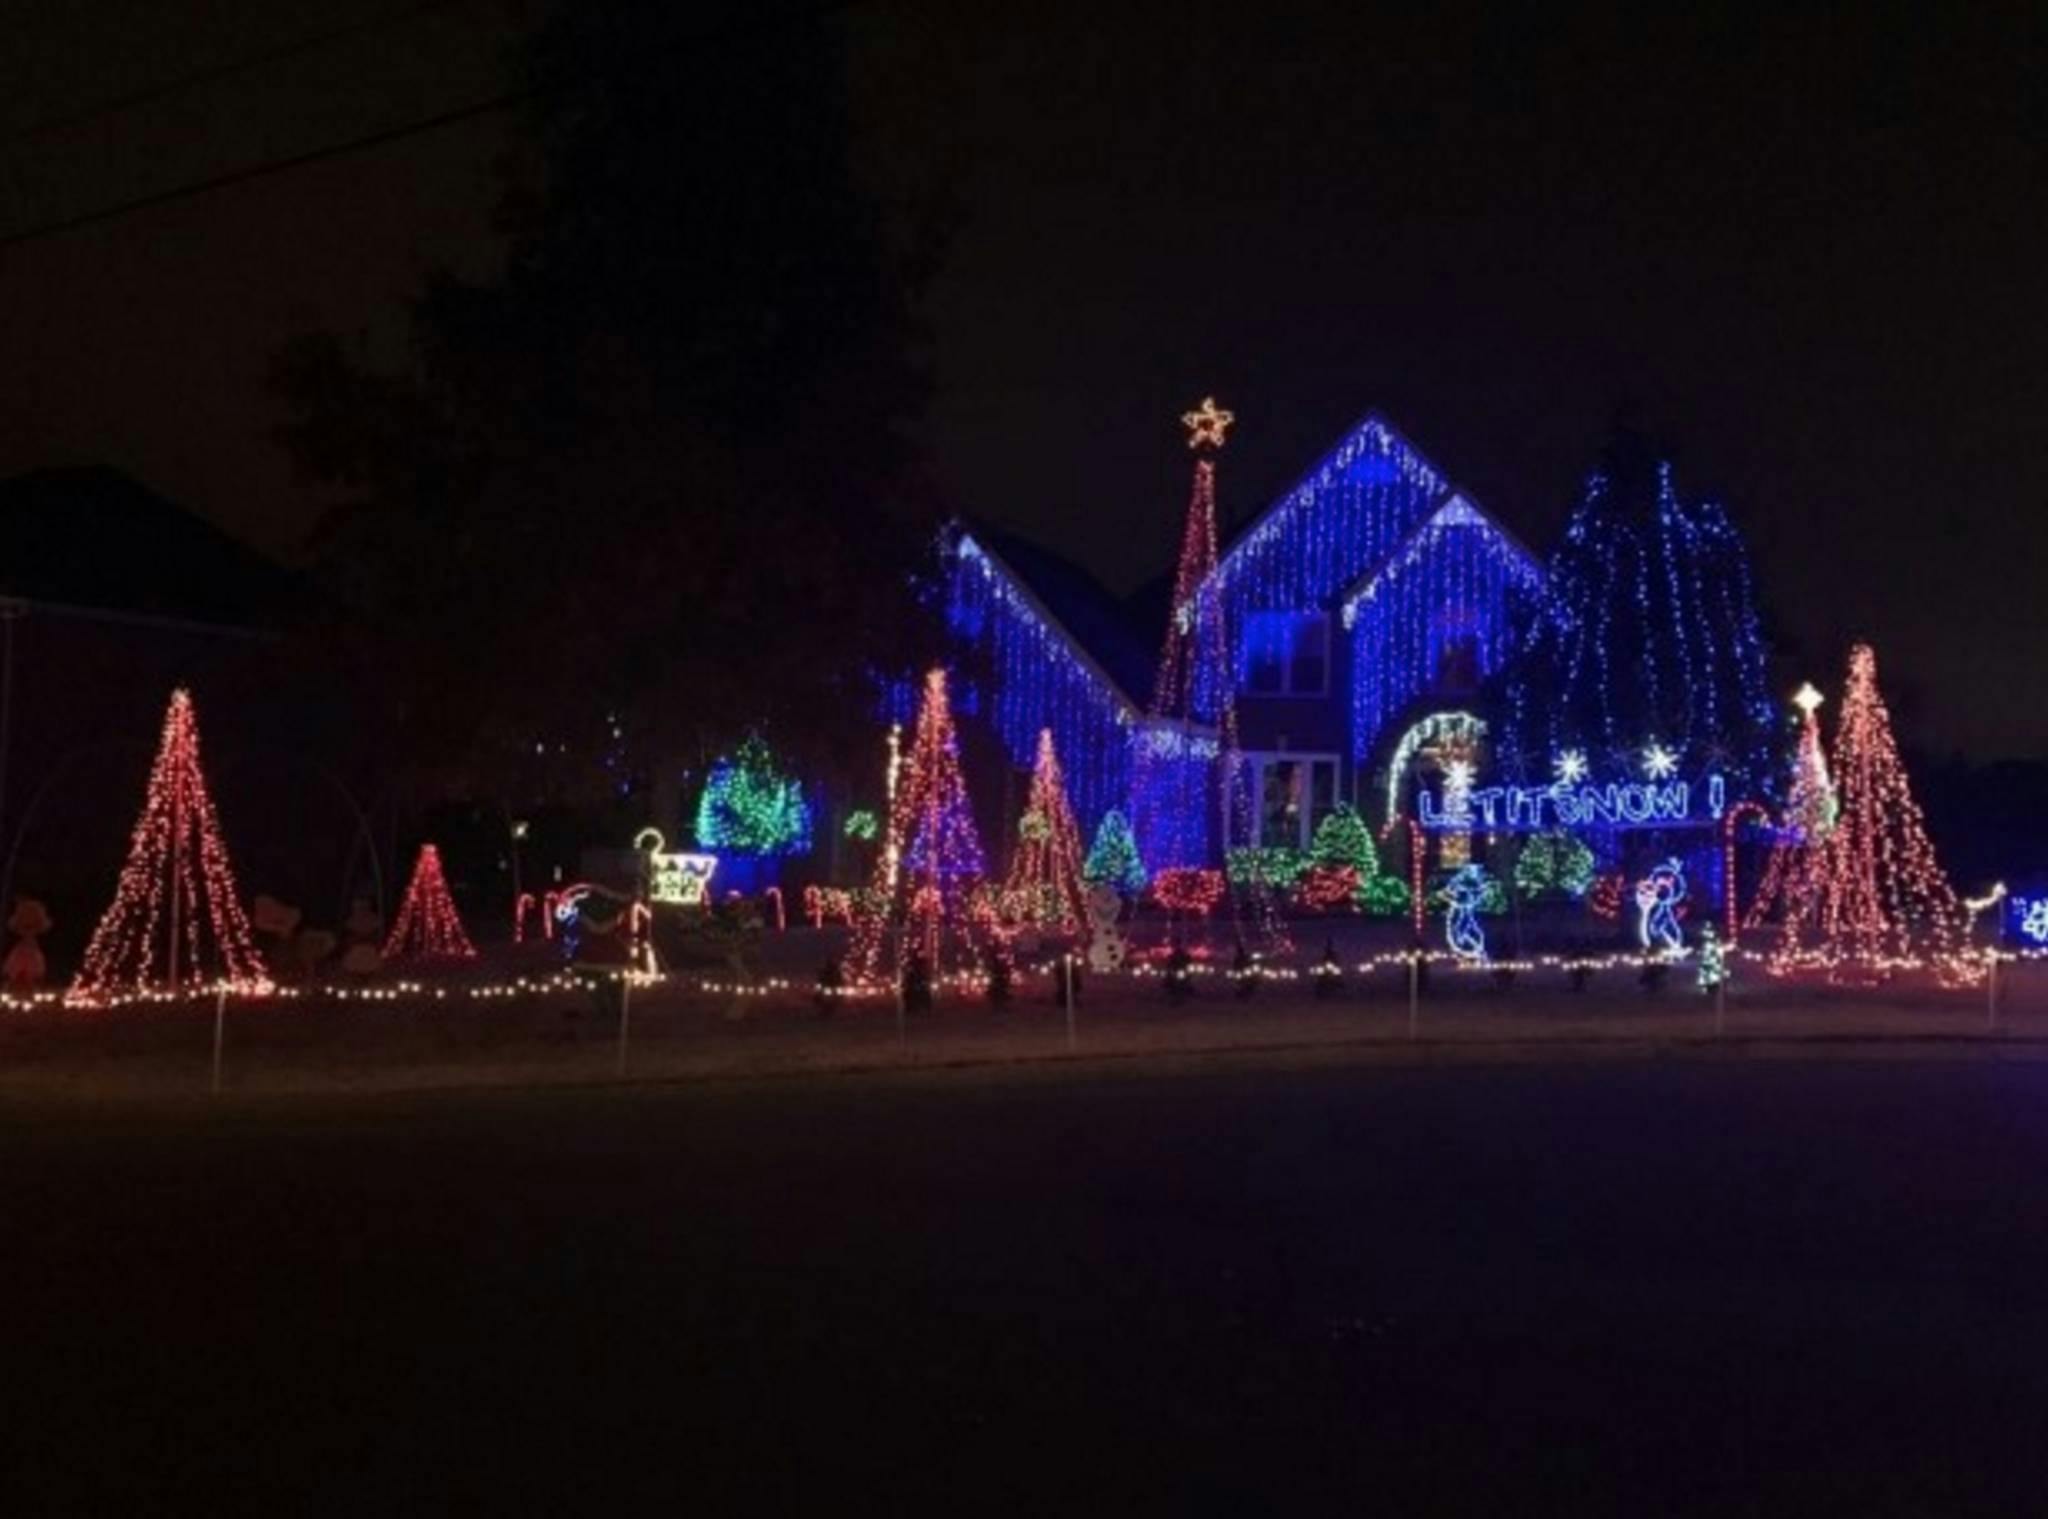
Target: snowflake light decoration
(1659, 763)
(1570, 766)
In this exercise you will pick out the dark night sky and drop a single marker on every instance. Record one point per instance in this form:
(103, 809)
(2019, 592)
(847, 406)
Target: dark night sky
(1806, 247)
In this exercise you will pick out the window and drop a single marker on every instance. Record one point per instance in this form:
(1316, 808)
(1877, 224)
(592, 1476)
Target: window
(1286, 654)
(1293, 793)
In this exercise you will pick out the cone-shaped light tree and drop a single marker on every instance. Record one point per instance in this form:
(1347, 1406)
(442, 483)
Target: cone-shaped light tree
(1113, 857)
(1045, 872)
(175, 921)
(1809, 814)
(1875, 899)
(428, 927)
(930, 894)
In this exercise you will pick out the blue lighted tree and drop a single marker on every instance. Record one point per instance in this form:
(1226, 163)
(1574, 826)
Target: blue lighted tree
(1649, 633)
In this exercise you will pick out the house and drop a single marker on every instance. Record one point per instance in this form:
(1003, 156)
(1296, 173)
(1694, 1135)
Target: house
(1368, 598)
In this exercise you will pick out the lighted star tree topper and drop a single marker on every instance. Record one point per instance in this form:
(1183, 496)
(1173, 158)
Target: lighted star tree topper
(428, 927)
(927, 884)
(1045, 872)
(1876, 900)
(176, 921)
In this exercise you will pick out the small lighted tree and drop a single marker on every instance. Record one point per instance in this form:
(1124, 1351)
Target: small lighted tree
(750, 807)
(176, 920)
(1809, 814)
(1045, 872)
(428, 927)
(1113, 857)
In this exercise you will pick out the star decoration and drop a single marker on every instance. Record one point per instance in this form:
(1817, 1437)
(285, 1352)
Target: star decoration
(1659, 763)
(1806, 698)
(1205, 424)
(1570, 766)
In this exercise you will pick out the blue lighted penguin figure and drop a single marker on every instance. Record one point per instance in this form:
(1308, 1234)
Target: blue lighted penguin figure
(1464, 891)
(1657, 897)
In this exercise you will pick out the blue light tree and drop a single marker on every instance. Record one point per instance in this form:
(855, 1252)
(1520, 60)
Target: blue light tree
(1650, 634)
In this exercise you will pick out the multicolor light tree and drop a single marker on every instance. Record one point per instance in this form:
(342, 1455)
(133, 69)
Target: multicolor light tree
(175, 920)
(750, 807)
(1113, 857)
(1875, 899)
(428, 927)
(927, 883)
(1045, 872)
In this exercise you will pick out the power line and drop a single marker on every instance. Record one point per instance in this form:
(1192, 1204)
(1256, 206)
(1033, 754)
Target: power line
(252, 172)
(280, 54)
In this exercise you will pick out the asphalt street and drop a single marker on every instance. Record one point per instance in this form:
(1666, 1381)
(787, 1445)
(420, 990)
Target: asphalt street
(1229, 1285)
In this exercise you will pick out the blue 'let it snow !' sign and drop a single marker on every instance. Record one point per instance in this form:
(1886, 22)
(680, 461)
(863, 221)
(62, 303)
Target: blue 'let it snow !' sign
(1539, 809)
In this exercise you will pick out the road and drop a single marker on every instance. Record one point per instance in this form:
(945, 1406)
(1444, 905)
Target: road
(1233, 1286)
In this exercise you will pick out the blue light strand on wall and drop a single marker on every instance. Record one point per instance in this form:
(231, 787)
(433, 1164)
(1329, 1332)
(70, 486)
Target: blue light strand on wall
(1458, 580)
(1037, 679)
(1353, 510)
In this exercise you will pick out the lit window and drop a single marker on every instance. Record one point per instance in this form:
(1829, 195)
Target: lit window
(1286, 654)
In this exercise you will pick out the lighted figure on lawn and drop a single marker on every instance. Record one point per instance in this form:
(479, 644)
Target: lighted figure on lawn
(1464, 893)
(1657, 897)
(930, 877)
(674, 879)
(176, 920)
(24, 967)
(1876, 900)
(427, 926)
(1106, 950)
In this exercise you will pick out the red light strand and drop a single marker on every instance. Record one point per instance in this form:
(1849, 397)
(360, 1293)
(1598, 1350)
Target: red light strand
(428, 927)
(175, 920)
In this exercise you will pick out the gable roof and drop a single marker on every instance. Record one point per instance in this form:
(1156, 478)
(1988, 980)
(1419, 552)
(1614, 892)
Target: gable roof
(1069, 602)
(1373, 447)
(93, 539)
(1456, 510)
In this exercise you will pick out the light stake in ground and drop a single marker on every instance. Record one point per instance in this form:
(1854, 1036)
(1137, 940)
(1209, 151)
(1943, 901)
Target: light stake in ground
(175, 921)
(428, 927)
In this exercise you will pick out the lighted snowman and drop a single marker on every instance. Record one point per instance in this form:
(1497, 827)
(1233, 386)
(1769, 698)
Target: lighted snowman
(1105, 939)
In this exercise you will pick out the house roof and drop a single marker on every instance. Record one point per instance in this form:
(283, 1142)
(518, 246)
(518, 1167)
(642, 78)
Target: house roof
(94, 540)
(1456, 509)
(1075, 604)
(1366, 445)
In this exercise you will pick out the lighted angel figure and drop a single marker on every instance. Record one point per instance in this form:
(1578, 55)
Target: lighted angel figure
(1464, 891)
(1657, 897)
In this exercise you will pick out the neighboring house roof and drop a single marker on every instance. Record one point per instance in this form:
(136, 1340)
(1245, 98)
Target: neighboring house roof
(1071, 603)
(95, 541)
(1456, 511)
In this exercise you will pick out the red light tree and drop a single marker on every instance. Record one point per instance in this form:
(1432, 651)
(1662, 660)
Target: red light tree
(175, 920)
(1045, 873)
(428, 926)
(1809, 814)
(928, 881)
(1874, 899)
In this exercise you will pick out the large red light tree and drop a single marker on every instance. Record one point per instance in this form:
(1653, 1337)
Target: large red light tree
(175, 922)
(1873, 900)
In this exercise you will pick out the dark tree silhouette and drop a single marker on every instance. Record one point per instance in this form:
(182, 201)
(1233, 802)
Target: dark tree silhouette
(648, 486)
